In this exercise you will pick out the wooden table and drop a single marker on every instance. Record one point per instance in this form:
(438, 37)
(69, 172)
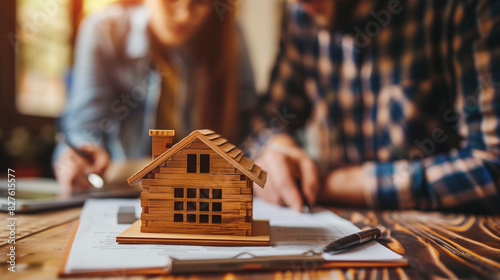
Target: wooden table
(436, 245)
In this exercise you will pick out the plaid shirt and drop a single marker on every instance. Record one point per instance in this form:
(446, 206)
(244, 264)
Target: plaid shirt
(412, 98)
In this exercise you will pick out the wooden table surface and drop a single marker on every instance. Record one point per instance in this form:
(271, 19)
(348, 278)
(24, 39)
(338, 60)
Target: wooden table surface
(437, 245)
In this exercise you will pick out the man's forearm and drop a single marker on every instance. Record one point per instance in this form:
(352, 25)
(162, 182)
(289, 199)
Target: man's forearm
(344, 186)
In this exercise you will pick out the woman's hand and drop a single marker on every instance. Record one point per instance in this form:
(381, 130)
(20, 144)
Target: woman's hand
(72, 169)
(285, 163)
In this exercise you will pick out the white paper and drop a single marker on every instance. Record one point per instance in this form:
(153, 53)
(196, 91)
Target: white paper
(95, 248)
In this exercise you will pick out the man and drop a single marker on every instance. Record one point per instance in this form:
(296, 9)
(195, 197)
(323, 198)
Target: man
(388, 104)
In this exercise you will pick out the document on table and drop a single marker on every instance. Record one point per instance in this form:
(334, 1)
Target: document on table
(95, 249)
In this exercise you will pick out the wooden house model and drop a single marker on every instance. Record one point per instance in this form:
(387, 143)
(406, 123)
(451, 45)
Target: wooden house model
(201, 185)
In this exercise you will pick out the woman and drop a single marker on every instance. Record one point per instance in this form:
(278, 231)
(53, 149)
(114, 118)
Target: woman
(176, 64)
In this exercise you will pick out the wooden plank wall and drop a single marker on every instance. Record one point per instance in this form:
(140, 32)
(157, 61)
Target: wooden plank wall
(157, 197)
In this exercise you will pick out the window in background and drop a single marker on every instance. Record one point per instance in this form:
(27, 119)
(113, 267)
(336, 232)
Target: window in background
(93, 5)
(44, 40)
(43, 56)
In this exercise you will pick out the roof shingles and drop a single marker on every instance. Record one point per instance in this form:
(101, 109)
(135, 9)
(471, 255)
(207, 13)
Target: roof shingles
(220, 145)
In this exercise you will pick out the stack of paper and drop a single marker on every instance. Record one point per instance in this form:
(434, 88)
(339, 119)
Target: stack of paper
(94, 247)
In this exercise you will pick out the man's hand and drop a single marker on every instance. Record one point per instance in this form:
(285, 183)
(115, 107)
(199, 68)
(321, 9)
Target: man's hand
(72, 170)
(345, 186)
(285, 162)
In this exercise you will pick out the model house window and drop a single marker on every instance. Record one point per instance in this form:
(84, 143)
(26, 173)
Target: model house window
(204, 163)
(191, 163)
(179, 205)
(191, 218)
(178, 218)
(204, 219)
(191, 193)
(191, 206)
(216, 219)
(179, 192)
(197, 205)
(216, 207)
(204, 206)
(217, 193)
(204, 193)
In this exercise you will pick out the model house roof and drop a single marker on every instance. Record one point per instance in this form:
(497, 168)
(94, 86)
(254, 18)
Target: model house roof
(220, 145)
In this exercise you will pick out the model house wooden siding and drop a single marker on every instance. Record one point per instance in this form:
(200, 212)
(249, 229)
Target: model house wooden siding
(181, 194)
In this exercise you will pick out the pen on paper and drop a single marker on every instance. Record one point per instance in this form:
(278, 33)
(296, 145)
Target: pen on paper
(305, 206)
(94, 179)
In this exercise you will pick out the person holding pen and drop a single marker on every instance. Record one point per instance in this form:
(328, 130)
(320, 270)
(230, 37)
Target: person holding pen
(141, 65)
(384, 104)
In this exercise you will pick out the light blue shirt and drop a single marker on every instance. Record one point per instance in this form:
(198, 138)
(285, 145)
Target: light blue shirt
(115, 90)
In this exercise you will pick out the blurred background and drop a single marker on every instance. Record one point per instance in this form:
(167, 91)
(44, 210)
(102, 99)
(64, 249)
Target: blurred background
(36, 56)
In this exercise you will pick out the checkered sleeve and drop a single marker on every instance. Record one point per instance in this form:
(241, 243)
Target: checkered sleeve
(466, 179)
(285, 106)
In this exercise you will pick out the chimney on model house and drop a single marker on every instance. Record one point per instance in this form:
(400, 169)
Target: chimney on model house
(162, 141)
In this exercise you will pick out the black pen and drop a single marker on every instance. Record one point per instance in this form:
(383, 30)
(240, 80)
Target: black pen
(353, 240)
(294, 167)
(62, 138)
(94, 179)
(306, 208)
